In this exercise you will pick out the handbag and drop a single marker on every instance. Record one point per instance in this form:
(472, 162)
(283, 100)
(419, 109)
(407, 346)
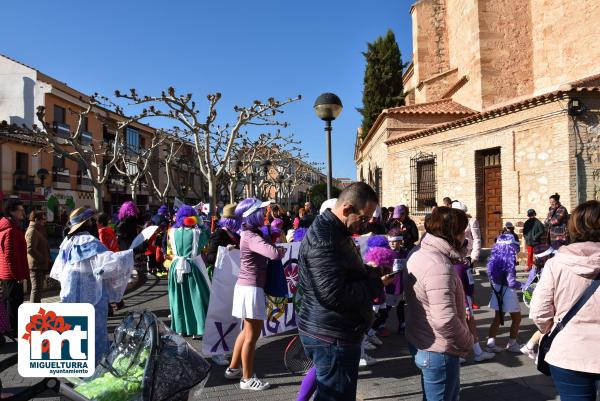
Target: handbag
(276, 285)
(546, 341)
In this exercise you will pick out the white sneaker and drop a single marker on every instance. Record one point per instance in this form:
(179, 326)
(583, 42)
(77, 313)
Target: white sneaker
(254, 383)
(529, 352)
(493, 348)
(374, 340)
(462, 360)
(367, 360)
(368, 346)
(515, 347)
(220, 360)
(233, 374)
(484, 356)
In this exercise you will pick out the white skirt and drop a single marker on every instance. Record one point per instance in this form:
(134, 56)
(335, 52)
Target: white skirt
(249, 303)
(510, 300)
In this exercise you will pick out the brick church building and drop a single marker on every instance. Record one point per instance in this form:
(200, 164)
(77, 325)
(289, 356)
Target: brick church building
(502, 110)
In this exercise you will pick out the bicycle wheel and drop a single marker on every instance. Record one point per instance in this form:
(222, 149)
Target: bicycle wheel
(295, 358)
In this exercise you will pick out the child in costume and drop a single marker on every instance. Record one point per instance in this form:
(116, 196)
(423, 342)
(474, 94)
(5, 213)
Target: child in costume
(394, 295)
(463, 270)
(502, 274)
(89, 273)
(380, 258)
(189, 286)
(106, 234)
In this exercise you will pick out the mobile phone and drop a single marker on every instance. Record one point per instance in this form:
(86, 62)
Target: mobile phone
(393, 273)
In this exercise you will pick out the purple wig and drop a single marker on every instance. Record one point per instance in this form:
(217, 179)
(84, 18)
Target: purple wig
(183, 212)
(277, 223)
(299, 234)
(380, 256)
(163, 210)
(255, 220)
(233, 224)
(128, 209)
(378, 241)
(503, 258)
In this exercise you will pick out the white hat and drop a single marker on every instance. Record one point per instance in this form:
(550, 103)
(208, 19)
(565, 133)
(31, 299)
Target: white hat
(459, 205)
(328, 204)
(257, 205)
(377, 212)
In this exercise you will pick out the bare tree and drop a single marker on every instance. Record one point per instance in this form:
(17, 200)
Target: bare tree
(88, 154)
(134, 163)
(213, 143)
(160, 187)
(248, 152)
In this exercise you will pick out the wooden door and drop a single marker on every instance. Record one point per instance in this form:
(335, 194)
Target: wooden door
(492, 192)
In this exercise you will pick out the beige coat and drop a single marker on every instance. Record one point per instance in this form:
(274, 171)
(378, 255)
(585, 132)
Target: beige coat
(564, 279)
(38, 251)
(435, 300)
(473, 236)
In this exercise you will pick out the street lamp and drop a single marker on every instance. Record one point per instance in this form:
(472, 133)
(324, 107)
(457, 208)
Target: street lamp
(327, 107)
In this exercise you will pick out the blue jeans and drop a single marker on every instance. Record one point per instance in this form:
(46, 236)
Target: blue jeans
(575, 386)
(440, 374)
(337, 368)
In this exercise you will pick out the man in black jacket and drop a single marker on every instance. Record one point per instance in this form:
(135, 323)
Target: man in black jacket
(337, 292)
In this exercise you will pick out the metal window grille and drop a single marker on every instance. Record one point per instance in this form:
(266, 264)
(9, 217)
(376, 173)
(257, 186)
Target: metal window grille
(423, 183)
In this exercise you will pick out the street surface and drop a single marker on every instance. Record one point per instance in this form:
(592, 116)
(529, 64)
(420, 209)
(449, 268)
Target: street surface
(508, 377)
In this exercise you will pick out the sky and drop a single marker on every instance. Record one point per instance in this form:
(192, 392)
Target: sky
(244, 49)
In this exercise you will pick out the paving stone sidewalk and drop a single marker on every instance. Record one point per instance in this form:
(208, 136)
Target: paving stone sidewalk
(507, 377)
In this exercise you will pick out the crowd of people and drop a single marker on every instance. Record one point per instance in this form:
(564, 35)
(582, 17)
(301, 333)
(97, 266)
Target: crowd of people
(348, 291)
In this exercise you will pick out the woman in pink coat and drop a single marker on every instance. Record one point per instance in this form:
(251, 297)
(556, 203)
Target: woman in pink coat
(573, 356)
(436, 324)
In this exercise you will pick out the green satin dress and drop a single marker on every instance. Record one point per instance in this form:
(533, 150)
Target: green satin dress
(189, 286)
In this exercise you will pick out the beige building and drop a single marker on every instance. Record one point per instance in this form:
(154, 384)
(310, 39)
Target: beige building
(503, 107)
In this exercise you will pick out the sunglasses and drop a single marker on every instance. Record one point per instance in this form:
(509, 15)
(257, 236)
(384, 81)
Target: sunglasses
(362, 219)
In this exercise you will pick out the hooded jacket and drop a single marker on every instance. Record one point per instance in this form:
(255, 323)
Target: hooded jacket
(13, 251)
(435, 300)
(565, 278)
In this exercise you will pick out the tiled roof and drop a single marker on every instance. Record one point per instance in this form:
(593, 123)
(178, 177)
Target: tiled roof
(510, 108)
(439, 107)
(12, 132)
(443, 106)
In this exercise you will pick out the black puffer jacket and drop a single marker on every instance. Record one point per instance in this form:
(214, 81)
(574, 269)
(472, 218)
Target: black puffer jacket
(337, 290)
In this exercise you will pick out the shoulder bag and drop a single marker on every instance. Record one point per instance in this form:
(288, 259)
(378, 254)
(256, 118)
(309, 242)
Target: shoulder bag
(546, 341)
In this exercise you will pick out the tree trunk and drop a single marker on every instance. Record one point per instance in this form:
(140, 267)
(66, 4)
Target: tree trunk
(98, 197)
(133, 188)
(232, 185)
(212, 193)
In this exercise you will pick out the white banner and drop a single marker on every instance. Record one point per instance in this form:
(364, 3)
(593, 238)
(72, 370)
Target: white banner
(221, 329)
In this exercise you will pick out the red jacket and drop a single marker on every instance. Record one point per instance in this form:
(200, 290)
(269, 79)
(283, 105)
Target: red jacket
(108, 238)
(13, 251)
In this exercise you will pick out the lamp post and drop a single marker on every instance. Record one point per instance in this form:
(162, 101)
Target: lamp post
(328, 107)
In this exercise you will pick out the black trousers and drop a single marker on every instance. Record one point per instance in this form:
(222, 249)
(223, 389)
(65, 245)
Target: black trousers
(12, 293)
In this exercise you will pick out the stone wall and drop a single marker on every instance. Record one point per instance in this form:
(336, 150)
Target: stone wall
(462, 23)
(430, 41)
(506, 50)
(565, 41)
(586, 145)
(374, 156)
(535, 160)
